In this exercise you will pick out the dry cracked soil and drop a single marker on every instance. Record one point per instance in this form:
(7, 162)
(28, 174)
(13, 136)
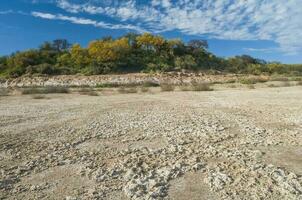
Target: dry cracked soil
(228, 144)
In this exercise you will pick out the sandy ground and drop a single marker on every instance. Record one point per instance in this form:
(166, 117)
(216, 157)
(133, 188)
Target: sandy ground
(226, 144)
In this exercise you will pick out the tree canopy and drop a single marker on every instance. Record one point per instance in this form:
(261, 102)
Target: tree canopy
(131, 53)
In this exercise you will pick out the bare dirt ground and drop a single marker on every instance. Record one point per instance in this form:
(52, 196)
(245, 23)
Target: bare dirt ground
(225, 144)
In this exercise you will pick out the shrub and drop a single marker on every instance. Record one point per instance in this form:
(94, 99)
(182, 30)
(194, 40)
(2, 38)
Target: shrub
(299, 83)
(167, 87)
(45, 90)
(201, 87)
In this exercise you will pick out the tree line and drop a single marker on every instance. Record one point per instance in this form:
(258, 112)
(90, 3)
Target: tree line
(132, 53)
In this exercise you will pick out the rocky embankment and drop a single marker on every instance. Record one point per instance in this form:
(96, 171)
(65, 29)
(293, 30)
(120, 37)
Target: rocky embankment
(74, 80)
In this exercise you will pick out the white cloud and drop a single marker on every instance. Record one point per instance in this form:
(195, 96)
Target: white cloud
(5, 12)
(278, 21)
(84, 21)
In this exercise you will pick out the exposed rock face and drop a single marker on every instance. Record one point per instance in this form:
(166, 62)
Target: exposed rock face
(74, 80)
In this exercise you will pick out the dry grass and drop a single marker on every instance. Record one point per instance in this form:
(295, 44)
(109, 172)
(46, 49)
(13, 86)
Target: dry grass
(165, 87)
(45, 90)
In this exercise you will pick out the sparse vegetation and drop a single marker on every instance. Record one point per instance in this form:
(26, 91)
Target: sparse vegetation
(45, 90)
(166, 87)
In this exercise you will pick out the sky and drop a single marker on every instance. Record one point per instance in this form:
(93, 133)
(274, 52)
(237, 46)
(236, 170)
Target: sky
(265, 29)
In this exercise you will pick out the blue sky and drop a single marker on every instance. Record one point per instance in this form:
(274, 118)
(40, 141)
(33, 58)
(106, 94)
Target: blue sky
(266, 29)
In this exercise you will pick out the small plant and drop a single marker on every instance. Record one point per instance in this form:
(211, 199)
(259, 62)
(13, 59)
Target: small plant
(167, 87)
(299, 83)
(45, 90)
(201, 87)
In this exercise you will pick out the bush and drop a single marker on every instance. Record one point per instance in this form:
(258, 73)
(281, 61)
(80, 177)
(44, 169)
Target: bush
(201, 87)
(167, 87)
(299, 83)
(45, 90)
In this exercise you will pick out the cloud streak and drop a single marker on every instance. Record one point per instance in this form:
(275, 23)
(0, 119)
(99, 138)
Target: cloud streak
(84, 21)
(278, 21)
